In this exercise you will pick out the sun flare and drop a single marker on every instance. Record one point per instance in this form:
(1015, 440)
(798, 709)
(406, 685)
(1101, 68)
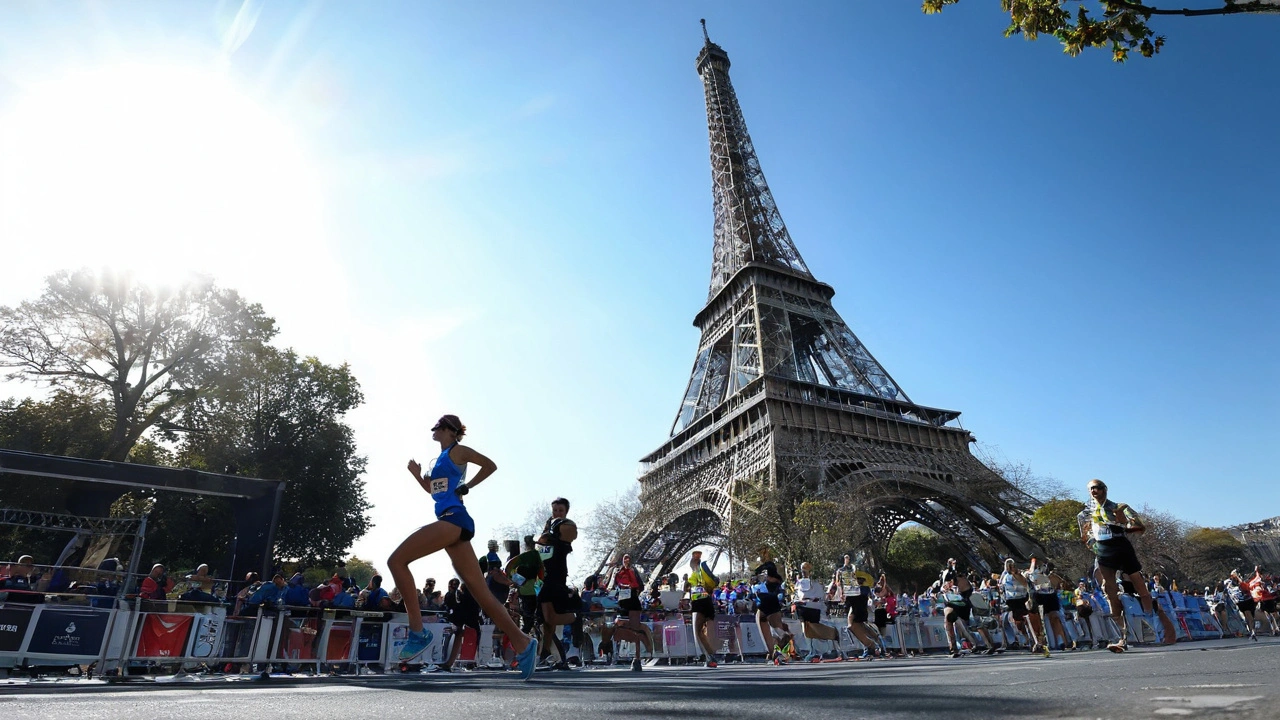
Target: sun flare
(157, 170)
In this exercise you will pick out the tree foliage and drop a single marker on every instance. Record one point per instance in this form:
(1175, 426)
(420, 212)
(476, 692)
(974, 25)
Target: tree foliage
(182, 377)
(281, 418)
(915, 557)
(1121, 26)
(150, 353)
(609, 524)
(1055, 521)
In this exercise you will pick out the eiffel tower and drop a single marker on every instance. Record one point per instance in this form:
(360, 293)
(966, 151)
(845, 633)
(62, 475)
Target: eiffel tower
(782, 391)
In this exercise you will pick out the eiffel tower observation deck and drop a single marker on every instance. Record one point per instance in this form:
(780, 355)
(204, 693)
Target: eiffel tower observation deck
(785, 403)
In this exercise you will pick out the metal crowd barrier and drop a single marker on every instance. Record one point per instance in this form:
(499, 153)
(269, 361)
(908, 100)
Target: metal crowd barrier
(177, 634)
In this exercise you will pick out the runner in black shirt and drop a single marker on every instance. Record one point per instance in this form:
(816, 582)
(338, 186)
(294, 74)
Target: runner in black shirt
(559, 604)
(769, 607)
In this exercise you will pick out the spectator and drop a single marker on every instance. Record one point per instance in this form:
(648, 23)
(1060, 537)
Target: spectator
(201, 584)
(251, 585)
(22, 582)
(269, 596)
(297, 594)
(377, 598)
(156, 585)
(341, 572)
(494, 577)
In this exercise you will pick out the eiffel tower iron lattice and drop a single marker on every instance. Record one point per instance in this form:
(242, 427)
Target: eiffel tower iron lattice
(784, 395)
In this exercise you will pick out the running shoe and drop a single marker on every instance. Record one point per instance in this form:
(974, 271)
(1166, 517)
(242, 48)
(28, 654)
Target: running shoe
(415, 645)
(1046, 651)
(1118, 647)
(955, 653)
(526, 660)
(711, 663)
(635, 664)
(991, 651)
(866, 655)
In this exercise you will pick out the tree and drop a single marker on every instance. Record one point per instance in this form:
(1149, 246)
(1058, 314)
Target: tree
(280, 417)
(1056, 521)
(535, 518)
(150, 353)
(1020, 475)
(1211, 554)
(915, 556)
(1121, 27)
(610, 526)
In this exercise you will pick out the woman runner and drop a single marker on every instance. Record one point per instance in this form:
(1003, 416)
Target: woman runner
(452, 532)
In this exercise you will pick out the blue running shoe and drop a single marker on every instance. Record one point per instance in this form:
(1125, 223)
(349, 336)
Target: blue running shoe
(526, 660)
(415, 645)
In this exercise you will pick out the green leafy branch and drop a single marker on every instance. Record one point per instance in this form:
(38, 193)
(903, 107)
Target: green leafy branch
(1122, 25)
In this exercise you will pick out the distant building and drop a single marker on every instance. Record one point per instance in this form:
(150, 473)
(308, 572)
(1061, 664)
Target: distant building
(1262, 539)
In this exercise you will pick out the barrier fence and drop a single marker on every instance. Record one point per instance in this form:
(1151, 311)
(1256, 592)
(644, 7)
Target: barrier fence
(174, 634)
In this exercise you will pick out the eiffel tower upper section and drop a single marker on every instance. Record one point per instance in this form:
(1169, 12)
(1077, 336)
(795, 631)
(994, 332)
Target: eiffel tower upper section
(766, 315)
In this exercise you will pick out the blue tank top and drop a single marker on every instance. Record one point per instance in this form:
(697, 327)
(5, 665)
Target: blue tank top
(445, 478)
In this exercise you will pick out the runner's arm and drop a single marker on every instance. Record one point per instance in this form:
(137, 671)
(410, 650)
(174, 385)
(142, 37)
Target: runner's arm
(463, 454)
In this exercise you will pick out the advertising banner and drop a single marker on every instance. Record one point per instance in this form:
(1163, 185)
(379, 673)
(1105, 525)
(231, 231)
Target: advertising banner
(14, 620)
(752, 640)
(298, 641)
(440, 632)
(339, 647)
(370, 649)
(163, 635)
(208, 634)
(726, 634)
(69, 632)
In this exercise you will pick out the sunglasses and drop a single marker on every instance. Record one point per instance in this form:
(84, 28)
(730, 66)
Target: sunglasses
(444, 425)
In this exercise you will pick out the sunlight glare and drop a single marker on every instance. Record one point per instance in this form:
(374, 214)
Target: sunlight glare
(160, 171)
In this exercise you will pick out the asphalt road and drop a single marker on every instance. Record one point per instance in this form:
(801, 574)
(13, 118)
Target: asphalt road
(1204, 679)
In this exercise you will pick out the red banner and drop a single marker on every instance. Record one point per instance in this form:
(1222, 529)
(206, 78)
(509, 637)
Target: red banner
(339, 648)
(163, 635)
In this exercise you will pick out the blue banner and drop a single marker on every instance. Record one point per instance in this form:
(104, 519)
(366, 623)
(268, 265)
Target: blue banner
(69, 632)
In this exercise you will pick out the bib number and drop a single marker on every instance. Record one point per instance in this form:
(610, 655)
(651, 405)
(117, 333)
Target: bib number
(517, 579)
(1102, 532)
(624, 593)
(853, 592)
(699, 590)
(439, 485)
(953, 598)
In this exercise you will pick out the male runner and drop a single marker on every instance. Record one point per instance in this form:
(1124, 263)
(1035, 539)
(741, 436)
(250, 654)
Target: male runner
(559, 604)
(857, 596)
(769, 607)
(809, 606)
(1104, 525)
(525, 570)
(700, 584)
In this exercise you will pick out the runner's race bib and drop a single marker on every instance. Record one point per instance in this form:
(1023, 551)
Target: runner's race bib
(855, 591)
(1102, 532)
(699, 590)
(518, 579)
(439, 485)
(953, 598)
(624, 593)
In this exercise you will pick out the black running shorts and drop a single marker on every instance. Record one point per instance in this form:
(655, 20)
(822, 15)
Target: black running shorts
(1267, 606)
(705, 606)
(808, 614)
(1084, 611)
(1117, 554)
(1247, 605)
(1048, 601)
(882, 618)
(951, 614)
(631, 604)
(1017, 606)
(858, 611)
(768, 604)
(562, 599)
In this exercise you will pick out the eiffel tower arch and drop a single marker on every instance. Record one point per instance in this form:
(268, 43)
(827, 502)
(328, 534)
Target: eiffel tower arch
(784, 394)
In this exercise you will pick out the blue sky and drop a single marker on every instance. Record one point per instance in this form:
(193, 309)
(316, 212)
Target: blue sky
(503, 210)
